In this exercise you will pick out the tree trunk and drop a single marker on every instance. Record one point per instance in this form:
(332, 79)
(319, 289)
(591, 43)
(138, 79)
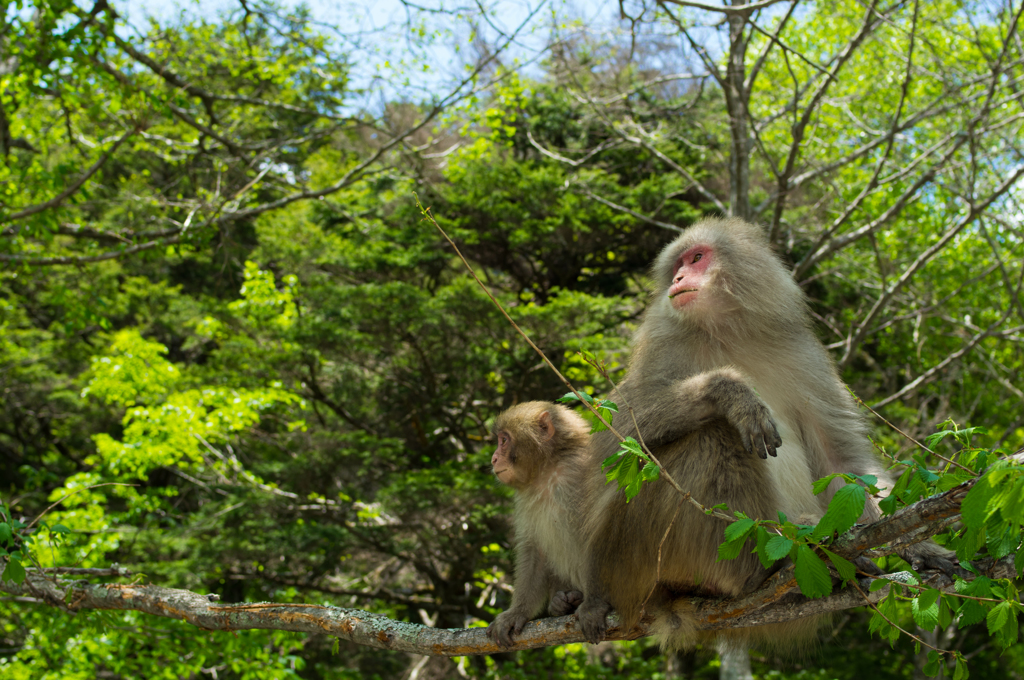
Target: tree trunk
(735, 664)
(737, 100)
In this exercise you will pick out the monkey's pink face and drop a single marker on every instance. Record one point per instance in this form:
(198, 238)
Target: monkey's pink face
(691, 274)
(501, 461)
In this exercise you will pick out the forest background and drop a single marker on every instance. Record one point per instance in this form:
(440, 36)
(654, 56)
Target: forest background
(236, 359)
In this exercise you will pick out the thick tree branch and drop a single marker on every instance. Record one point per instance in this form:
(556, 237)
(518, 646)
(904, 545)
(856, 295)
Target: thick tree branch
(913, 521)
(778, 600)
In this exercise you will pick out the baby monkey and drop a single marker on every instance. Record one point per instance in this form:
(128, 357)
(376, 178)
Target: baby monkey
(542, 454)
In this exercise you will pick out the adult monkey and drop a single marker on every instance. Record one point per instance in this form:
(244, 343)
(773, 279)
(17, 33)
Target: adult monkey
(724, 363)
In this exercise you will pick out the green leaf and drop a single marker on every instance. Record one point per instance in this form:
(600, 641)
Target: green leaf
(878, 584)
(729, 551)
(960, 673)
(1009, 633)
(632, 446)
(1011, 502)
(869, 480)
(14, 571)
(761, 550)
(971, 612)
(623, 467)
(1001, 543)
(926, 610)
(928, 597)
(6, 533)
(820, 485)
(735, 538)
(925, 474)
(738, 529)
(969, 543)
(973, 507)
(931, 667)
(811, 573)
(650, 473)
(937, 437)
(844, 510)
(945, 613)
(998, 617)
(889, 504)
(845, 567)
(778, 547)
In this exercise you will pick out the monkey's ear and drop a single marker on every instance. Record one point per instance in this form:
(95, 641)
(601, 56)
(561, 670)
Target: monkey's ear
(547, 427)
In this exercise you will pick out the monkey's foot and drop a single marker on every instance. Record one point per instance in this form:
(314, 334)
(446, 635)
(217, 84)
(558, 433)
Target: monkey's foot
(507, 623)
(564, 602)
(593, 615)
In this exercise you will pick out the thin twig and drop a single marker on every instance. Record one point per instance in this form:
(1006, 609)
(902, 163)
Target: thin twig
(893, 623)
(56, 503)
(916, 443)
(661, 468)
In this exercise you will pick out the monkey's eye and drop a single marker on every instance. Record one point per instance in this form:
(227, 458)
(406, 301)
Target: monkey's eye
(697, 257)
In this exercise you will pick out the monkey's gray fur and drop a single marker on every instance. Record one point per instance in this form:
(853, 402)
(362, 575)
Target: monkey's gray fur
(714, 381)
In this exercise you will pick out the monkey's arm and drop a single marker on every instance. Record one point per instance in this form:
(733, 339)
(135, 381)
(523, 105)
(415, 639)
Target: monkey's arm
(667, 409)
(528, 599)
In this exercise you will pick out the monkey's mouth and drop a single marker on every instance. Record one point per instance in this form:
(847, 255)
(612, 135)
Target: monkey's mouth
(680, 292)
(499, 473)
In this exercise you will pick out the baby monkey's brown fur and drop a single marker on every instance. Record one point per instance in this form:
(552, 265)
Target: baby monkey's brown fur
(543, 454)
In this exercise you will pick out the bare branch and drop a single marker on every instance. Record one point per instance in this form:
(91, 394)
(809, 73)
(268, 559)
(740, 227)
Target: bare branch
(675, 166)
(800, 127)
(568, 161)
(820, 251)
(739, 10)
(456, 94)
(84, 259)
(976, 209)
(990, 332)
(71, 188)
(622, 208)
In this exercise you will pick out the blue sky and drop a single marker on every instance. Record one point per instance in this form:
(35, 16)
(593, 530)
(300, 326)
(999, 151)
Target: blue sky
(379, 39)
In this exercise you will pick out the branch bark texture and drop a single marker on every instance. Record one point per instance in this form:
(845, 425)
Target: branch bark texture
(778, 600)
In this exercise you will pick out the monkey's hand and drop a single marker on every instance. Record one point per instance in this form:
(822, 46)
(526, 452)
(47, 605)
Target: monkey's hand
(507, 623)
(592, 615)
(752, 419)
(564, 602)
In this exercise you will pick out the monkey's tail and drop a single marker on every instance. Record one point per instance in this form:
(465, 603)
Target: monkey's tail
(675, 628)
